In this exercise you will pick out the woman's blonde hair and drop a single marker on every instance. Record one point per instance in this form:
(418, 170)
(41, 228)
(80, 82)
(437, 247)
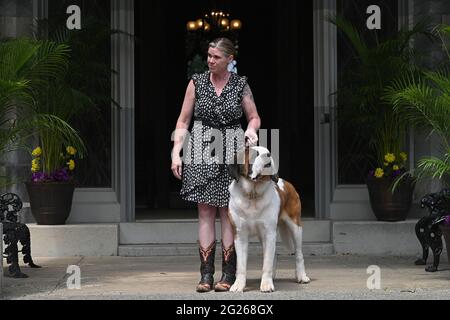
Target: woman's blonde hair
(225, 45)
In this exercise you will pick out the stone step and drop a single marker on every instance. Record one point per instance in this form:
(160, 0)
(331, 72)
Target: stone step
(74, 240)
(377, 238)
(189, 249)
(167, 237)
(186, 231)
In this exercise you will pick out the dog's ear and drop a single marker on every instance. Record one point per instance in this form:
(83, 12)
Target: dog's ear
(236, 168)
(234, 171)
(275, 177)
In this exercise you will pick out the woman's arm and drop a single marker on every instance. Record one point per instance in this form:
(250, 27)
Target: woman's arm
(254, 122)
(181, 128)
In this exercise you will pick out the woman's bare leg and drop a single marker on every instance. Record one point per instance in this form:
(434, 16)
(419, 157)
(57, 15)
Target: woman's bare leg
(206, 224)
(226, 228)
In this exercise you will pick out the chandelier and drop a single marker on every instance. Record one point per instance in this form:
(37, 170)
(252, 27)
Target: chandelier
(215, 21)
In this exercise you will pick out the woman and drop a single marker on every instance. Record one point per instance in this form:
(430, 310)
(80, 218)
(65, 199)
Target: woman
(216, 99)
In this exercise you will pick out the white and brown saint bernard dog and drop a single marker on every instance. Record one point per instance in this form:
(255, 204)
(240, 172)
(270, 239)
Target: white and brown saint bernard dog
(260, 202)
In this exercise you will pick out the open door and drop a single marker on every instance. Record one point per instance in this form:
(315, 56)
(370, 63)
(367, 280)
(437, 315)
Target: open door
(275, 53)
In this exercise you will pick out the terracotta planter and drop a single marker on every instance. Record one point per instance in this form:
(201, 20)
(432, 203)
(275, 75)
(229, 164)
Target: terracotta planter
(446, 233)
(50, 202)
(387, 206)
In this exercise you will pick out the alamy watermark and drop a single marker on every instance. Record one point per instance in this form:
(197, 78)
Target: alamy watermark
(74, 280)
(374, 280)
(74, 20)
(205, 145)
(374, 20)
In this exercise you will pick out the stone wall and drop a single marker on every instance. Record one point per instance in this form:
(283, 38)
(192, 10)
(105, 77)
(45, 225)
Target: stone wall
(16, 17)
(438, 12)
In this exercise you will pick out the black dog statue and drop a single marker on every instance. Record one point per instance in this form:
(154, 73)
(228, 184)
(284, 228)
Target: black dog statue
(13, 233)
(427, 228)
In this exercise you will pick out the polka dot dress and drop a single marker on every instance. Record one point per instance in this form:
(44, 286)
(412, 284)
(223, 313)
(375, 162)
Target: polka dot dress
(215, 136)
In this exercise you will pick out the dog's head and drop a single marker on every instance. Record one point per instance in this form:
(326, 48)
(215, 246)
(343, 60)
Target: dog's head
(253, 163)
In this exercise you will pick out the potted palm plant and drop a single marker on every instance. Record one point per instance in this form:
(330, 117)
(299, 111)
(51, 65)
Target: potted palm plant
(424, 102)
(47, 104)
(373, 123)
(11, 92)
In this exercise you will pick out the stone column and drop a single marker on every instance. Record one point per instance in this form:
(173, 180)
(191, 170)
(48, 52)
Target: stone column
(325, 83)
(16, 20)
(122, 60)
(438, 12)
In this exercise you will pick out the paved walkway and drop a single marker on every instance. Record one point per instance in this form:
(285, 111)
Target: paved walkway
(175, 277)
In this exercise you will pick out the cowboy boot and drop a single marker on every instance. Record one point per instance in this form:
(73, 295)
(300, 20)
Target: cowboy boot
(206, 267)
(228, 269)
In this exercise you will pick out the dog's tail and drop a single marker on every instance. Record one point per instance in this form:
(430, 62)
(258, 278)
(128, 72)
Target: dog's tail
(285, 236)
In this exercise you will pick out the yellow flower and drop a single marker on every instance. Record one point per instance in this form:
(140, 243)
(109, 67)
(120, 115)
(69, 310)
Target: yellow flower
(403, 156)
(389, 157)
(71, 164)
(379, 173)
(386, 164)
(395, 167)
(71, 150)
(35, 165)
(36, 152)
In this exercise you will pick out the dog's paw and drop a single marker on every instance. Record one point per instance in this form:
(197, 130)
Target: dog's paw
(431, 269)
(303, 279)
(238, 286)
(267, 285)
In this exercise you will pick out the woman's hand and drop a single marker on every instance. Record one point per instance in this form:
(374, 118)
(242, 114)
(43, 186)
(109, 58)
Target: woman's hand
(176, 167)
(251, 137)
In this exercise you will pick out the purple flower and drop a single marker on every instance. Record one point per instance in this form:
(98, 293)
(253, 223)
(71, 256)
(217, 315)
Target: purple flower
(39, 176)
(371, 173)
(62, 174)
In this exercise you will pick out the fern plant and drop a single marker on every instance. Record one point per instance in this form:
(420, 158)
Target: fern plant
(424, 102)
